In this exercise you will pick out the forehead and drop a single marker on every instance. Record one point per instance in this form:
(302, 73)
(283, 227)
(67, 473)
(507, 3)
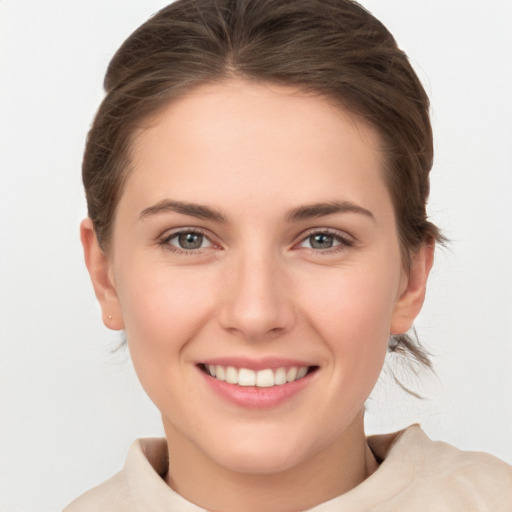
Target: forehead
(239, 134)
(249, 108)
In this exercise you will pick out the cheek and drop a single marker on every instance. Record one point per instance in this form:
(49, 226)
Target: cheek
(358, 301)
(353, 316)
(162, 310)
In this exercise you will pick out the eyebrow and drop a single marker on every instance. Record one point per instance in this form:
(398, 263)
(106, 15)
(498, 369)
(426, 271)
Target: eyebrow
(316, 210)
(301, 213)
(190, 209)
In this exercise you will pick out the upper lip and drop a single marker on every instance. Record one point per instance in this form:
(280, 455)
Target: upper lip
(256, 364)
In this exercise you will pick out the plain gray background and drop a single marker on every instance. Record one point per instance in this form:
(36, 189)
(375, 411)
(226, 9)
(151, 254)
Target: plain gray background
(69, 407)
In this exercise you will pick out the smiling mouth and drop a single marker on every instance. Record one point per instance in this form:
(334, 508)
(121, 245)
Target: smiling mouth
(265, 378)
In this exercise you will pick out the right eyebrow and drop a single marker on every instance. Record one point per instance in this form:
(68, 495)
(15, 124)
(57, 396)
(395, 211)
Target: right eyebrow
(184, 208)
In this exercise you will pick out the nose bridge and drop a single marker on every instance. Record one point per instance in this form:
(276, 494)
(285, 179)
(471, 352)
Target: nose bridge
(256, 304)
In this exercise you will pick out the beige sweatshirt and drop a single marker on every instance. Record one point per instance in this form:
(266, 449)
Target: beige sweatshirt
(416, 475)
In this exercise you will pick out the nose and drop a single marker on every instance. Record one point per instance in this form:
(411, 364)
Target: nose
(256, 301)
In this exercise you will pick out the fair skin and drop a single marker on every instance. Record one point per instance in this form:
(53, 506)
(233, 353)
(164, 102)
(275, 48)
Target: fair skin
(256, 231)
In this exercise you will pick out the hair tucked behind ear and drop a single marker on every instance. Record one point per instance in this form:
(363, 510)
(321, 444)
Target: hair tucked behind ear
(409, 349)
(333, 48)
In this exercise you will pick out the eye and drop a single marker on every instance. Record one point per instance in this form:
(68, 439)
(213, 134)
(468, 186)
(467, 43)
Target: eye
(320, 241)
(188, 240)
(325, 240)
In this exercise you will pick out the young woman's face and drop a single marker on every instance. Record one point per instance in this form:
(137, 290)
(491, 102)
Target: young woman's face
(256, 240)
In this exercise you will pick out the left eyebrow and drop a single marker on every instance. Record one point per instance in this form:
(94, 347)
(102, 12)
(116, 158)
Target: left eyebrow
(313, 211)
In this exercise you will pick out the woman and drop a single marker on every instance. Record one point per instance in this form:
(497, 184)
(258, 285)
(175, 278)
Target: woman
(256, 179)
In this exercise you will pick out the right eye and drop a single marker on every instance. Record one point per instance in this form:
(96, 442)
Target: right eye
(187, 240)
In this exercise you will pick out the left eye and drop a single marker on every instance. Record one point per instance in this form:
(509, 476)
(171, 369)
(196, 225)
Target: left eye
(189, 240)
(322, 241)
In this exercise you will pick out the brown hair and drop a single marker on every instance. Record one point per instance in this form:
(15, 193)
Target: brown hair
(334, 48)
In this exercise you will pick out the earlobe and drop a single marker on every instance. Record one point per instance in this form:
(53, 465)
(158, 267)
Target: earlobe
(98, 265)
(411, 299)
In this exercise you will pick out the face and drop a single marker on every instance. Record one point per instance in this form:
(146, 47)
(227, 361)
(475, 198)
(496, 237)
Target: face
(256, 269)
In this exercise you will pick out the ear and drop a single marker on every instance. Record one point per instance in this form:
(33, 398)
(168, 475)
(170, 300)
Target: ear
(413, 291)
(98, 265)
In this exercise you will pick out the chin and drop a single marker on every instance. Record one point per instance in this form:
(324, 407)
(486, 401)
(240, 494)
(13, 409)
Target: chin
(255, 461)
(263, 453)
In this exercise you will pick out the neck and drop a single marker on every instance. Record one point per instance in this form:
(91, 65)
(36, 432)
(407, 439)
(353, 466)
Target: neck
(332, 471)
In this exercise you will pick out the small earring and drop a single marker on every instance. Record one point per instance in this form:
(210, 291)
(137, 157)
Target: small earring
(110, 317)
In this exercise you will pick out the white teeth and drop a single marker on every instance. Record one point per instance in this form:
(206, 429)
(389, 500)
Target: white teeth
(246, 377)
(265, 378)
(291, 374)
(302, 372)
(262, 378)
(280, 377)
(220, 374)
(231, 375)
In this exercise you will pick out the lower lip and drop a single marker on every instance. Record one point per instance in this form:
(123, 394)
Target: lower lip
(255, 397)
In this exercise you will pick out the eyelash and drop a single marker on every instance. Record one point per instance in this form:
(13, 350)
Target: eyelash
(343, 242)
(165, 241)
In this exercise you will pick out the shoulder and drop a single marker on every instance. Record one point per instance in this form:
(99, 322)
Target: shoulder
(145, 464)
(448, 478)
(110, 496)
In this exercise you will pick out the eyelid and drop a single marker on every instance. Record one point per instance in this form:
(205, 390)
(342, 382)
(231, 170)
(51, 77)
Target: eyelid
(343, 237)
(163, 239)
